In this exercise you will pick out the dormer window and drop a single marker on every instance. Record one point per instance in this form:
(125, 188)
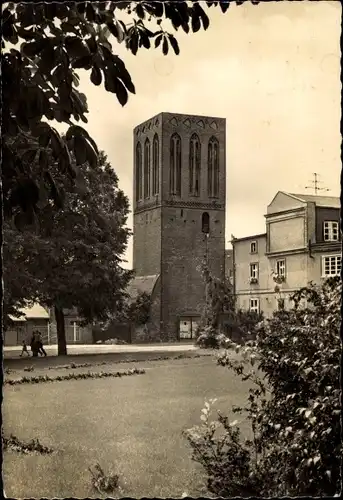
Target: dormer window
(330, 231)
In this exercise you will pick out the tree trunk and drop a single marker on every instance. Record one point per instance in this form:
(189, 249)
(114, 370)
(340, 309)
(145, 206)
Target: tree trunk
(61, 333)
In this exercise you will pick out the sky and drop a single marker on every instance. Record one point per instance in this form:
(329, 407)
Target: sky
(272, 70)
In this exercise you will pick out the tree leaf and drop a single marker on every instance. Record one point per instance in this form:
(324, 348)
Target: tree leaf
(200, 11)
(75, 47)
(33, 48)
(80, 149)
(121, 92)
(144, 40)
(165, 47)
(224, 5)
(110, 82)
(96, 76)
(195, 22)
(140, 11)
(134, 43)
(174, 44)
(158, 40)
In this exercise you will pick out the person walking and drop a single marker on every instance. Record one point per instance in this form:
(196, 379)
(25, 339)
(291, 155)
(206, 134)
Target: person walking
(41, 349)
(24, 349)
(34, 345)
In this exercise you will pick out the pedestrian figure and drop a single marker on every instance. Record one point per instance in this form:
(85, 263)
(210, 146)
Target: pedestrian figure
(24, 349)
(41, 349)
(34, 345)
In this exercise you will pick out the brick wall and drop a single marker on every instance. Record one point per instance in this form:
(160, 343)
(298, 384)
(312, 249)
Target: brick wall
(168, 237)
(147, 242)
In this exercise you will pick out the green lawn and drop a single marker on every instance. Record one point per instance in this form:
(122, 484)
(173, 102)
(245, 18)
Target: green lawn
(132, 424)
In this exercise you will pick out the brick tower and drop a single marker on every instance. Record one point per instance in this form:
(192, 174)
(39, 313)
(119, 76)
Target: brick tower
(179, 214)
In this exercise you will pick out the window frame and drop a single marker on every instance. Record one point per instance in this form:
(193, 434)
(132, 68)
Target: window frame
(278, 267)
(257, 272)
(331, 226)
(336, 257)
(253, 308)
(256, 247)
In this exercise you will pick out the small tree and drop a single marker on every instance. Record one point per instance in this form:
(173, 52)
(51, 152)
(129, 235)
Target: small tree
(138, 310)
(293, 407)
(73, 257)
(219, 299)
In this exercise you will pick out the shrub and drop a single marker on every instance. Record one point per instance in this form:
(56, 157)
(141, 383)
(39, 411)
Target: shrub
(103, 483)
(219, 299)
(293, 407)
(241, 326)
(138, 311)
(33, 446)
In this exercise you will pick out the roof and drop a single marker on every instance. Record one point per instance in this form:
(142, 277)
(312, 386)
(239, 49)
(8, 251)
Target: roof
(320, 201)
(14, 318)
(142, 284)
(36, 311)
(253, 237)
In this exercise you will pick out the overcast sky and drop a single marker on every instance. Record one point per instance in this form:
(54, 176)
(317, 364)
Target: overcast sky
(272, 70)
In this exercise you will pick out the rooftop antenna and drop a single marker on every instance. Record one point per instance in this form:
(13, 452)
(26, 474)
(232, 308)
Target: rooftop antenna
(315, 185)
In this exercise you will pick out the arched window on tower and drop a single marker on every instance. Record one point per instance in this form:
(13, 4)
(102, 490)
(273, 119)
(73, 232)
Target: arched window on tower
(155, 165)
(213, 168)
(205, 223)
(194, 165)
(147, 168)
(175, 165)
(138, 171)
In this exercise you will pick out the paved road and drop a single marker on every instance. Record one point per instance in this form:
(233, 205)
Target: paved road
(13, 352)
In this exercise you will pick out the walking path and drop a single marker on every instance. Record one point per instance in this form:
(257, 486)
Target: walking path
(13, 352)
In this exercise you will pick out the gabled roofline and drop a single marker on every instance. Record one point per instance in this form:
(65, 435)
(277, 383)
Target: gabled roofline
(286, 194)
(254, 236)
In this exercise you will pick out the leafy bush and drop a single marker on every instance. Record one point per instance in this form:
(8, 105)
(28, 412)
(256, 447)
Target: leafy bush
(29, 368)
(138, 311)
(210, 338)
(293, 407)
(33, 446)
(241, 326)
(102, 482)
(73, 376)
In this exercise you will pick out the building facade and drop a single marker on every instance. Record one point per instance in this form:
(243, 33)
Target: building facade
(179, 216)
(42, 319)
(302, 243)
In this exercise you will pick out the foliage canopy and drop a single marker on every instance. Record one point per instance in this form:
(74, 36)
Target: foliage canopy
(45, 45)
(293, 407)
